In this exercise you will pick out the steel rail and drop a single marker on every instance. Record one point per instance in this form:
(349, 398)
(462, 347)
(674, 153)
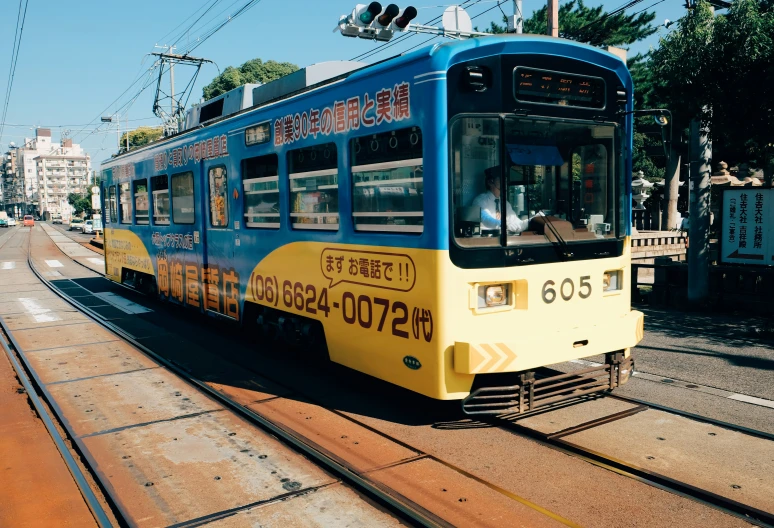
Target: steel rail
(718, 502)
(554, 441)
(389, 498)
(685, 414)
(91, 499)
(558, 441)
(420, 453)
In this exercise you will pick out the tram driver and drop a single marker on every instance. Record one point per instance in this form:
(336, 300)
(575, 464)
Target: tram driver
(489, 202)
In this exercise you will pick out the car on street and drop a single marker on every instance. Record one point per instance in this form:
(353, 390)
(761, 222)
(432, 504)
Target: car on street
(11, 222)
(88, 226)
(76, 224)
(28, 221)
(3, 222)
(56, 219)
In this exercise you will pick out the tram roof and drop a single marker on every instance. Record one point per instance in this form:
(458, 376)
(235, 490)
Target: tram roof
(443, 54)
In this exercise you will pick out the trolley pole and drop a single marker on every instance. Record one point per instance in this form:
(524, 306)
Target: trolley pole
(699, 221)
(553, 18)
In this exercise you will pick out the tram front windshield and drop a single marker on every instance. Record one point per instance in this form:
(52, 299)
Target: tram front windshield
(551, 180)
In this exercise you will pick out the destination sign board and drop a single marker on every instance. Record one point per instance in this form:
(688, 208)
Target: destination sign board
(532, 85)
(748, 222)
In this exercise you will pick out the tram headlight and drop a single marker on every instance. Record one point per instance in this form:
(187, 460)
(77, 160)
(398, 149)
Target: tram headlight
(612, 280)
(496, 295)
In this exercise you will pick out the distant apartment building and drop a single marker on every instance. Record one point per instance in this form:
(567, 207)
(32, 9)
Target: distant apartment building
(45, 174)
(12, 183)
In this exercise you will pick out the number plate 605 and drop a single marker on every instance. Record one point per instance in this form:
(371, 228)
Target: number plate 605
(566, 289)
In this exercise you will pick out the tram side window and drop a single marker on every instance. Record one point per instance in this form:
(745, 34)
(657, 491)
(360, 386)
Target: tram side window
(141, 201)
(160, 192)
(218, 196)
(314, 187)
(261, 191)
(183, 198)
(388, 184)
(125, 202)
(112, 217)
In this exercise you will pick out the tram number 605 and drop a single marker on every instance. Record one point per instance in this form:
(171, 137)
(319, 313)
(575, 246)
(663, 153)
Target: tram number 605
(566, 289)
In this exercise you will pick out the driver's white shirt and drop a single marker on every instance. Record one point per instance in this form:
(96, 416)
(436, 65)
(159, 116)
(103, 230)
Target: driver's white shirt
(489, 221)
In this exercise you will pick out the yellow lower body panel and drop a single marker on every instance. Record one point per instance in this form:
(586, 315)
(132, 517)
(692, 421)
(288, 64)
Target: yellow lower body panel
(564, 345)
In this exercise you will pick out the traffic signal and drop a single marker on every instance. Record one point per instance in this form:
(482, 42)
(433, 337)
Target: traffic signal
(407, 16)
(371, 22)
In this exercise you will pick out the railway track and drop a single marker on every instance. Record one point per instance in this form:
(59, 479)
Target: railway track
(401, 507)
(388, 498)
(559, 440)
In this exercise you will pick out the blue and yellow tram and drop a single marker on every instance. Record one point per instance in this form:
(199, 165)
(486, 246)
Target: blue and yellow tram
(309, 215)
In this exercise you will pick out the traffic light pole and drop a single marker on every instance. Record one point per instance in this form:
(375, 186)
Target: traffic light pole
(699, 220)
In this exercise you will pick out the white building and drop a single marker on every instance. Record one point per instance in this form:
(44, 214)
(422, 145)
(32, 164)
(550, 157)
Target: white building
(51, 172)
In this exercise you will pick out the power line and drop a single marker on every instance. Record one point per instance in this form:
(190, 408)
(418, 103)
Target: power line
(611, 14)
(241, 11)
(382, 47)
(651, 5)
(499, 3)
(22, 125)
(14, 61)
(436, 36)
(183, 22)
(189, 28)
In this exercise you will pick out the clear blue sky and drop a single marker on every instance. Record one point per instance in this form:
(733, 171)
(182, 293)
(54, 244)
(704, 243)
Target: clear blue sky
(77, 57)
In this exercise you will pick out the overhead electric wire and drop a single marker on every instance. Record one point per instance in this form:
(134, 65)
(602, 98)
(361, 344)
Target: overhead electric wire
(184, 21)
(373, 52)
(138, 79)
(386, 45)
(193, 24)
(651, 5)
(129, 102)
(612, 13)
(241, 11)
(14, 61)
(436, 36)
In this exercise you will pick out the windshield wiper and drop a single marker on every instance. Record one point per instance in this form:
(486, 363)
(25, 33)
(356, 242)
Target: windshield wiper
(561, 243)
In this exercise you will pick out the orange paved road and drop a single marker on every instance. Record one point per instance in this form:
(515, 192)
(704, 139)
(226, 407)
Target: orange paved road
(36, 488)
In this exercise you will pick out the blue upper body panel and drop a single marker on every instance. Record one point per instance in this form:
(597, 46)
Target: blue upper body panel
(424, 71)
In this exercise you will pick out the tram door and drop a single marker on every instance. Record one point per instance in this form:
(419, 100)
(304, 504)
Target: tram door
(219, 280)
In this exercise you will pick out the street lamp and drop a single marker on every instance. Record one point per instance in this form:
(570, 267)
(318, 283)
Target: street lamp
(109, 119)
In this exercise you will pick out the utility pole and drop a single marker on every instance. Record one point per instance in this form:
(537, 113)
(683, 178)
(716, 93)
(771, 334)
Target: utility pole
(516, 21)
(699, 220)
(553, 18)
(176, 109)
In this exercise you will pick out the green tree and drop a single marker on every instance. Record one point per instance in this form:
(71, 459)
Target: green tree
(254, 70)
(718, 69)
(592, 25)
(140, 137)
(79, 203)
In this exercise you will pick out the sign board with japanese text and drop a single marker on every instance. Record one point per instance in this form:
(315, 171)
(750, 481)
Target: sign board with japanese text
(748, 226)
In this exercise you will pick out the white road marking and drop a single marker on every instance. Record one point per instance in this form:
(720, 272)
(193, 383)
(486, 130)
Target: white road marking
(753, 400)
(8, 265)
(125, 305)
(97, 261)
(54, 264)
(40, 314)
(584, 362)
(690, 386)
